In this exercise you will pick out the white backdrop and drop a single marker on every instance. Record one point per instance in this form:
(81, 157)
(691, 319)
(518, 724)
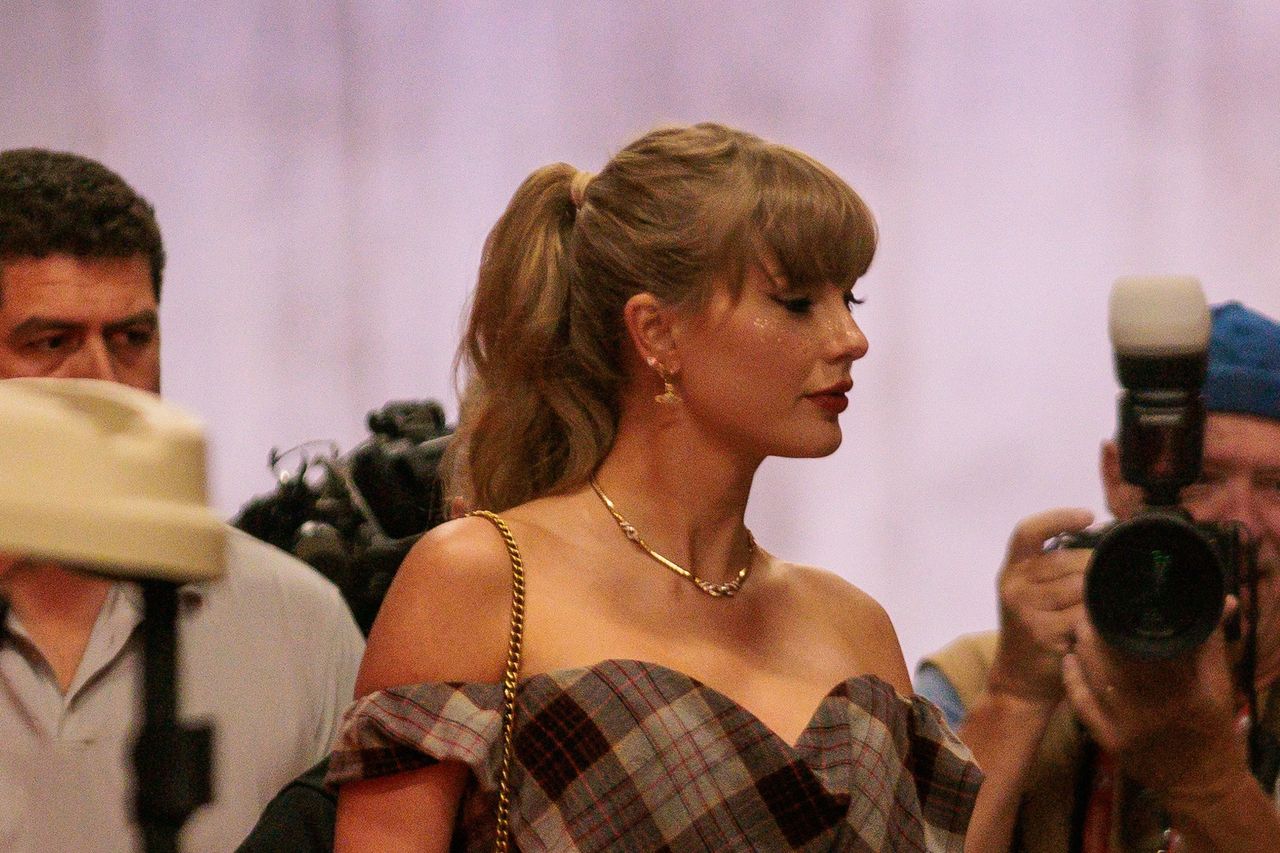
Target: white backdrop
(325, 173)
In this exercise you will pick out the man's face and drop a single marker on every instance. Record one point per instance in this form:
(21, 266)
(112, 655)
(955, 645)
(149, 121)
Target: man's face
(81, 318)
(1241, 480)
(1240, 483)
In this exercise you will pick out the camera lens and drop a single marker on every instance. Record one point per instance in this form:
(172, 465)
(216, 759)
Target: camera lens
(1154, 586)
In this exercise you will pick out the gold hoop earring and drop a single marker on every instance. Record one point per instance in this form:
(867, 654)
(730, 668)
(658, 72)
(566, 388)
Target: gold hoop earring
(669, 396)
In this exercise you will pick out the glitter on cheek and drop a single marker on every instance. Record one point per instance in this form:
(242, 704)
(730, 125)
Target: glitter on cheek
(766, 330)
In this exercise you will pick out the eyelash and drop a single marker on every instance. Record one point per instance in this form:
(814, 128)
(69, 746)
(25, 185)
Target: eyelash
(803, 304)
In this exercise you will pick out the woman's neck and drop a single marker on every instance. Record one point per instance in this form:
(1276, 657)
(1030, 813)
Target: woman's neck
(686, 497)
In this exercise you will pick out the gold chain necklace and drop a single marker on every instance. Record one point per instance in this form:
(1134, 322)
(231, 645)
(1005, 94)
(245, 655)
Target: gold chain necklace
(715, 590)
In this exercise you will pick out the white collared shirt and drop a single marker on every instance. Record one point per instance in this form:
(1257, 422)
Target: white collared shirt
(268, 654)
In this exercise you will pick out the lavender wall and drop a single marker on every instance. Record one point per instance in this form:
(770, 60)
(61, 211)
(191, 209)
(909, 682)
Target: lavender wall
(325, 173)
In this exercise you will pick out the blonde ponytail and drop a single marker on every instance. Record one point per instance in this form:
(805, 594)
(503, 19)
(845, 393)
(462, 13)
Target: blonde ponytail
(525, 419)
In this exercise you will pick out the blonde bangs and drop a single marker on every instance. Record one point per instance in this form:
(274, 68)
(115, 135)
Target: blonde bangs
(817, 228)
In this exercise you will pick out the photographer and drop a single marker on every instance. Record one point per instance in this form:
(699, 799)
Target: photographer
(1165, 764)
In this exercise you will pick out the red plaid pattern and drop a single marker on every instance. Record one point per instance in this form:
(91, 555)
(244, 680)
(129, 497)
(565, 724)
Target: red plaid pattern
(627, 755)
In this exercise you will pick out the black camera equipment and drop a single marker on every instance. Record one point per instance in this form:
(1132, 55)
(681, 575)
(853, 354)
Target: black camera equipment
(1156, 582)
(355, 517)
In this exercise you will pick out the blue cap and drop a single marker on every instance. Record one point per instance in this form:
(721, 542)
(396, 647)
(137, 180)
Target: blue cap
(1244, 362)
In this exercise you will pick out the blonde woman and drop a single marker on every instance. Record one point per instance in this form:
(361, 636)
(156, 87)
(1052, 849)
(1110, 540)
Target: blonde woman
(640, 340)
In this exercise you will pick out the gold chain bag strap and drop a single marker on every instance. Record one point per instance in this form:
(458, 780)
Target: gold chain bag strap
(515, 643)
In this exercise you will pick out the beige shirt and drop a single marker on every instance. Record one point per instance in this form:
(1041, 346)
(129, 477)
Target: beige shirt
(268, 654)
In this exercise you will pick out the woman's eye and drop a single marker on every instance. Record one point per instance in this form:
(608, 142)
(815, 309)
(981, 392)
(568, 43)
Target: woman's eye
(798, 305)
(850, 300)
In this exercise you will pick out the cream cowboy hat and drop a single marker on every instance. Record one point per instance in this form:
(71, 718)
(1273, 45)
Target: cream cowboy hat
(109, 477)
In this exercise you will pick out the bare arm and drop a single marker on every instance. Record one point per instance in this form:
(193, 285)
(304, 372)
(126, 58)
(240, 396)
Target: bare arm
(1229, 815)
(444, 619)
(1040, 602)
(411, 811)
(883, 650)
(1003, 733)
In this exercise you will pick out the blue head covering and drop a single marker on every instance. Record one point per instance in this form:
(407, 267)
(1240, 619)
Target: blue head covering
(1244, 362)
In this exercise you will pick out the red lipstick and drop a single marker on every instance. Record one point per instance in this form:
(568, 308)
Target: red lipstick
(832, 400)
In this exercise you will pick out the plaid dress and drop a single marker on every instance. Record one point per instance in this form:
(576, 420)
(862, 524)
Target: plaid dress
(627, 755)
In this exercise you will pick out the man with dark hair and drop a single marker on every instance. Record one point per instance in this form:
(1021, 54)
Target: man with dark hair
(81, 255)
(60, 203)
(268, 653)
(1166, 766)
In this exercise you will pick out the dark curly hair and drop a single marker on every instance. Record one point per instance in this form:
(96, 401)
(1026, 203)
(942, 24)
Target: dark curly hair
(55, 202)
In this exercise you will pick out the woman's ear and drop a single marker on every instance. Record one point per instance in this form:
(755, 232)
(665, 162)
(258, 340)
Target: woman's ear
(651, 325)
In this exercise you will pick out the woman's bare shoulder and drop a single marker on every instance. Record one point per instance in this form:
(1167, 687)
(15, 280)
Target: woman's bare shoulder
(447, 613)
(853, 614)
(821, 588)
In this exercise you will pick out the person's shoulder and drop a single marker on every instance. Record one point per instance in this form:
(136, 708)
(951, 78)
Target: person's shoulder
(469, 550)
(260, 576)
(965, 662)
(826, 590)
(849, 613)
(447, 613)
(978, 647)
(279, 595)
(252, 563)
(955, 676)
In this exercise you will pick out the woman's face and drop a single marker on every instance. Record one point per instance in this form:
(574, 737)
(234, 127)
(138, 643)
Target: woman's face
(767, 371)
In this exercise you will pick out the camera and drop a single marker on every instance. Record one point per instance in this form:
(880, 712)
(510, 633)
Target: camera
(354, 517)
(1156, 582)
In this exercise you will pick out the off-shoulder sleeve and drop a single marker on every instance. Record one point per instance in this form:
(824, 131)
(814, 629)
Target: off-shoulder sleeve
(946, 777)
(917, 781)
(417, 725)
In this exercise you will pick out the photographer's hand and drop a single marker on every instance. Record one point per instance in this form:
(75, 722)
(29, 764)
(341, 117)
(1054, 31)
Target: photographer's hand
(1041, 597)
(1041, 594)
(1172, 727)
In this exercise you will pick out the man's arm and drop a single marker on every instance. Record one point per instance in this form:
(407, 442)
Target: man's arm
(1003, 732)
(342, 663)
(1040, 602)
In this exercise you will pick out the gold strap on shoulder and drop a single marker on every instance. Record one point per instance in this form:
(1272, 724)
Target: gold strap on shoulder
(510, 679)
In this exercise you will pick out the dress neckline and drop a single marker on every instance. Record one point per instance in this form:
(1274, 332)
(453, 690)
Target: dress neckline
(565, 676)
